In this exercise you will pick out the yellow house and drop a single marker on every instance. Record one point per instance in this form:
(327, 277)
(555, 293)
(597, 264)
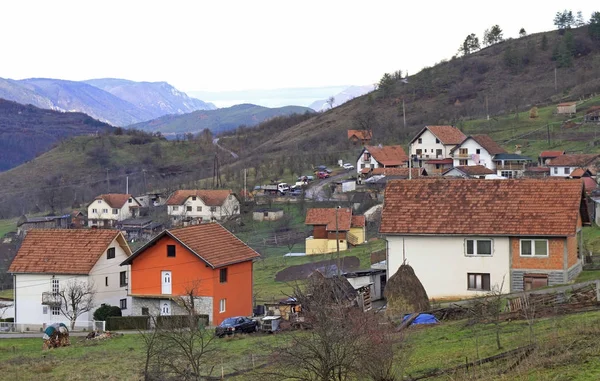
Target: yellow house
(333, 225)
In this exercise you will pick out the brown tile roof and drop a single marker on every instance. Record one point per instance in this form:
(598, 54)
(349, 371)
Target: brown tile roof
(535, 207)
(573, 160)
(537, 169)
(440, 161)
(589, 184)
(567, 104)
(358, 221)
(326, 216)
(388, 155)
(361, 134)
(402, 172)
(578, 172)
(446, 134)
(551, 154)
(488, 144)
(592, 109)
(209, 197)
(211, 242)
(473, 170)
(114, 200)
(63, 251)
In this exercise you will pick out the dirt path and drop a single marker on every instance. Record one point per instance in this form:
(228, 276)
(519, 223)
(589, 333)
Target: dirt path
(216, 143)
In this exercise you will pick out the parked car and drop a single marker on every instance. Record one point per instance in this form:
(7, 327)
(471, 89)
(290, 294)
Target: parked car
(238, 324)
(348, 166)
(322, 175)
(296, 192)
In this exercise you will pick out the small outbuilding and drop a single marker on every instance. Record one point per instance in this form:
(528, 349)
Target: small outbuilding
(566, 108)
(267, 214)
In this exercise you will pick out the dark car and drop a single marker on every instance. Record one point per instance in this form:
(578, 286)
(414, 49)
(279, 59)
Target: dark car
(238, 324)
(296, 192)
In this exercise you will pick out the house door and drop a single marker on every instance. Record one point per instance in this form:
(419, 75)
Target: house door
(533, 281)
(165, 307)
(166, 282)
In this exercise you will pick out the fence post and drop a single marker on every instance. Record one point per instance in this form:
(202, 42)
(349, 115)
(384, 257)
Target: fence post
(597, 283)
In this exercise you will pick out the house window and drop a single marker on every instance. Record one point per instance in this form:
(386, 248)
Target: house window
(198, 209)
(99, 201)
(188, 208)
(420, 141)
(170, 250)
(176, 208)
(463, 162)
(123, 278)
(463, 151)
(213, 208)
(55, 287)
(55, 310)
(567, 171)
(104, 210)
(534, 247)
(106, 281)
(478, 151)
(438, 152)
(222, 305)
(507, 174)
(145, 311)
(115, 211)
(193, 198)
(479, 246)
(94, 210)
(45, 310)
(419, 152)
(110, 253)
(556, 170)
(130, 200)
(223, 275)
(478, 282)
(123, 304)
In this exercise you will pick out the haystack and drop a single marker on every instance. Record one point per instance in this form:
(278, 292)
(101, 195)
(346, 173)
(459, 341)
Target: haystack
(405, 293)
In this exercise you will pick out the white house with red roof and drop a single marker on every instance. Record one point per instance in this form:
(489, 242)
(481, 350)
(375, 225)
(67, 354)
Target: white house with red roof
(431, 147)
(107, 209)
(49, 260)
(189, 207)
(372, 157)
(476, 150)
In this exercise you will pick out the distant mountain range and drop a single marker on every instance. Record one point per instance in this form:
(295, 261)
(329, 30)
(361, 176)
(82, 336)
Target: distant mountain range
(27, 131)
(342, 97)
(115, 101)
(218, 120)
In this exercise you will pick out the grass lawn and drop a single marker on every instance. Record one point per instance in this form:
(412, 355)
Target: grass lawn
(6, 293)
(591, 239)
(7, 226)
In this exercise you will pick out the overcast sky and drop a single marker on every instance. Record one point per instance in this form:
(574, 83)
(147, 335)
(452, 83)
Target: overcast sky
(235, 45)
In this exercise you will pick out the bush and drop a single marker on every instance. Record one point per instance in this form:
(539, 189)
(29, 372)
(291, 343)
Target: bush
(114, 323)
(106, 311)
(180, 321)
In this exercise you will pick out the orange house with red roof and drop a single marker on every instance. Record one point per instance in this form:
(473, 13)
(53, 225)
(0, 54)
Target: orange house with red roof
(205, 262)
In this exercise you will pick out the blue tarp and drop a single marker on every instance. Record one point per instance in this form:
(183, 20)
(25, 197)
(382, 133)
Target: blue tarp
(423, 319)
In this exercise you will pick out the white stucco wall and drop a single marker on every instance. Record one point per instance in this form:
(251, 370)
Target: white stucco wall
(561, 171)
(429, 146)
(362, 163)
(100, 205)
(230, 207)
(472, 146)
(441, 264)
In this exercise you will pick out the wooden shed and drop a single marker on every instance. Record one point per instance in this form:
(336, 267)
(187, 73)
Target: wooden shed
(567, 108)
(267, 214)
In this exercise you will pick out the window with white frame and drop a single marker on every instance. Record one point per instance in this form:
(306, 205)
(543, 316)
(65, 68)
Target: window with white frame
(188, 208)
(175, 208)
(198, 209)
(222, 305)
(420, 141)
(123, 304)
(534, 247)
(99, 201)
(55, 286)
(94, 210)
(55, 311)
(115, 211)
(213, 208)
(104, 210)
(478, 282)
(567, 171)
(556, 170)
(478, 247)
(507, 174)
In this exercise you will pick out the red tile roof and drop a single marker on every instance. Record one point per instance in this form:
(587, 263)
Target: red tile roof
(551, 154)
(63, 251)
(538, 169)
(326, 216)
(211, 242)
(567, 104)
(388, 155)
(440, 161)
(114, 200)
(361, 134)
(358, 221)
(589, 184)
(578, 172)
(446, 134)
(473, 170)
(485, 142)
(209, 197)
(573, 160)
(534, 207)
(402, 172)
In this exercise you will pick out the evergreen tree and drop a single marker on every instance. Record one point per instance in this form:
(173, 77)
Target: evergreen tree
(522, 32)
(492, 36)
(594, 26)
(470, 45)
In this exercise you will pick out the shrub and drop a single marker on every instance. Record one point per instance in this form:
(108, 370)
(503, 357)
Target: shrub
(114, 323)
(106, 311)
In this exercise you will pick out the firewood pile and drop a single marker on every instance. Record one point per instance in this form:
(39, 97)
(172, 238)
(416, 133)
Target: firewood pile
(94, 335)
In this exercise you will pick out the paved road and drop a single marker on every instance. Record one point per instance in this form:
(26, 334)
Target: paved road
(216, 143)
(316, 193)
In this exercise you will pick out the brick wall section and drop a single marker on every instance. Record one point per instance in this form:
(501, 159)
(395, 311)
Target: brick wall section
(554, 261)
(572, 251)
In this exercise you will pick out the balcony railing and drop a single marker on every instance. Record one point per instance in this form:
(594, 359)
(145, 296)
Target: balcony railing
(511, 167)
(461, 155)
(50, 299)
(429, 156)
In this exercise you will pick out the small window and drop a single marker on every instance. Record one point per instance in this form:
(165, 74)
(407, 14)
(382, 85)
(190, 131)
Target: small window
(438, 152)
(110, 253)
(420, 141)
(106, 281)
(222, 305)
(188, 208)
(130, 200)
(463, 151)
(556, 170)
(123, 278)
(478, 151)
(115, 211)
(478, 282)
(45, 310)
(479, 246)
(123, 304)
(223, 275)
(198, 209)
(213, 208)
(170, 250)
(94, 210)
(419, 151)
(104, 210)
(567, 171)
(175, 208)
(99, 201)
(463, 162)
(534, 247)
(437, 141)
(193, 198)
(145, 311)
(55, 311)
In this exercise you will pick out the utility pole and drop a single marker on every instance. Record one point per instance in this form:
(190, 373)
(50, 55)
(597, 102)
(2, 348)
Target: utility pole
(145, 186)
(245, 189)
(555, 81)
(548, 130)
(410, 161)
(107, 182)
(487, 110)
(127, 185)
(403, 113)
(337, 240)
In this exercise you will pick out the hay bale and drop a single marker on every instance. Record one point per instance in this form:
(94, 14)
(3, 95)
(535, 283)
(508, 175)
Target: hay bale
(405, 293)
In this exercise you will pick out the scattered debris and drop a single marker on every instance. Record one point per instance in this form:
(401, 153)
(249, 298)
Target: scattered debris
(56, 335)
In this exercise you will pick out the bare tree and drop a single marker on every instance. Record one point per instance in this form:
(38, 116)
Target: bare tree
(330, 102)
(76, 298)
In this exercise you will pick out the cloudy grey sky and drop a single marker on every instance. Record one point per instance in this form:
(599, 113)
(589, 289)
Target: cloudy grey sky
(235, 45)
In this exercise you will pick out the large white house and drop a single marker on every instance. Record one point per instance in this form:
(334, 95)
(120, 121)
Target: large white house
(476, 150)
(50, 260)
(107, 209)
(432, 147)
(196, 206)
(564, 165)
(372, 157)
(465, 237)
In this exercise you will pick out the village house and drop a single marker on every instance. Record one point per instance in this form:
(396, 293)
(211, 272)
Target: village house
(24, 224)
(476, 150)
(50, 260)
(332, 226)
(380, 157)
(566, 108)
(107, 209)
(470, 171)
(188, 207)
(139, 228)
(78, 219)
(465, 237)
(547, 156)
(511, 165)
(360, 136)
(151, 199)
(203, 261)
(267, 214)
(563, 165)
(431, 147)
(592, 115)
